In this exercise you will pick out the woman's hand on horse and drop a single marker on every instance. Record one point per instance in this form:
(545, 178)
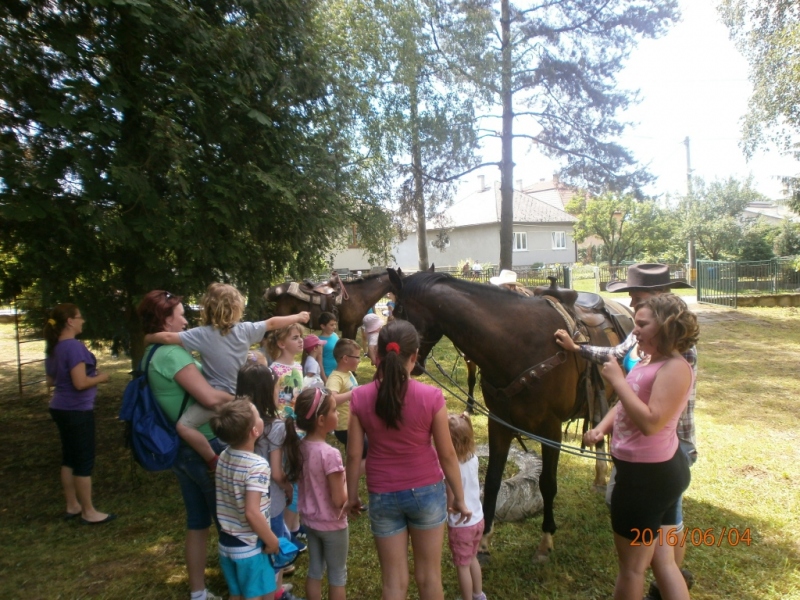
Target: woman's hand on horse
(592, 437)
(564, 340)
(303, 316)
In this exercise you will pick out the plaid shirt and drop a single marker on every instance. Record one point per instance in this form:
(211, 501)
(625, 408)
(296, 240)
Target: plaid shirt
(685, 428)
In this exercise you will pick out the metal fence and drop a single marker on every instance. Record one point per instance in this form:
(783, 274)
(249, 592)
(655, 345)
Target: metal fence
(526, 276)
(721, 282)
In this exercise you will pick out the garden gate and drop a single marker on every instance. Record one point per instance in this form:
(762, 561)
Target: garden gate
(717, 282)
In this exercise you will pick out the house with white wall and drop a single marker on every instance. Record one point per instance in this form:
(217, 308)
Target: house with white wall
(542, 233)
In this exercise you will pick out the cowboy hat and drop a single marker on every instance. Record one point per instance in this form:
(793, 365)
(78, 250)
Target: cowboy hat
(646, 276)
(505, 276)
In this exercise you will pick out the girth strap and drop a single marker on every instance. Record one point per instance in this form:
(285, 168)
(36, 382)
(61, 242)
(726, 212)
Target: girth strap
(528, 376)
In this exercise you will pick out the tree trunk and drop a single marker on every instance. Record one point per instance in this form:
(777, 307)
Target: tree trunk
(507, 163)
(419, 191)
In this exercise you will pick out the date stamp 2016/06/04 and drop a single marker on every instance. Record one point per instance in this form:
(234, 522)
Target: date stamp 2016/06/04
(694, 537)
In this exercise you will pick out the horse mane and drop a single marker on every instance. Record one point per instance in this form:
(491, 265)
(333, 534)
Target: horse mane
(365, 277)
(419, 283)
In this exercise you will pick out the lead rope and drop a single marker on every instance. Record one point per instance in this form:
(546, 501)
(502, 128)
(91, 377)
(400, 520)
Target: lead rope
(566, 448)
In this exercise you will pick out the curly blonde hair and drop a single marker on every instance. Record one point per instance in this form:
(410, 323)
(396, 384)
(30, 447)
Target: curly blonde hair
(678, 328)
(462, 435)
(223, 306)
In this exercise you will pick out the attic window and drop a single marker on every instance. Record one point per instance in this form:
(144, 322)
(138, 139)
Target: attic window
(520, 241)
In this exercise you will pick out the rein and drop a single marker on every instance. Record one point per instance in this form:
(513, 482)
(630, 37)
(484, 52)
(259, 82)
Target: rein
(566, 448)
(345, 295)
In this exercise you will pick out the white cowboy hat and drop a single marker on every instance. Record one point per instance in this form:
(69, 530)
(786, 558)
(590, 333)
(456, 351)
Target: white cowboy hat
(505, 276)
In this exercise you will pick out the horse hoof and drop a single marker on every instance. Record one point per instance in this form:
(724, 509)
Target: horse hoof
(600, 489)
(484, 558)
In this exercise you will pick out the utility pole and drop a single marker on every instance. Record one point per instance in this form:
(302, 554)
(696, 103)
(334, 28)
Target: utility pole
(690, 250)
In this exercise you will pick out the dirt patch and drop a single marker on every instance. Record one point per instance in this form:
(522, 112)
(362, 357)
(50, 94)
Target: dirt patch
(710, 313)
(752, 472)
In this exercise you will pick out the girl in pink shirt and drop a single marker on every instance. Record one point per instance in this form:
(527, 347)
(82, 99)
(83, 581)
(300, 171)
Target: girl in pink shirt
(405, 470)
(323, 494)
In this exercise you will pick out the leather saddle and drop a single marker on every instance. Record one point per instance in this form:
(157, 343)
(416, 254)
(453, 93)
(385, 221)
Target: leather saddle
(599, 322)
(603, 322)
(325, 294)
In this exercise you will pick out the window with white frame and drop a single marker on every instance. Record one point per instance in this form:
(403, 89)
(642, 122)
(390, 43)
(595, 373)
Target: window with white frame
(520, 241)
(559, 240)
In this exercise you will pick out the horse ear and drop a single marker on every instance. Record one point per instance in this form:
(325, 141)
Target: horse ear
(432, 268)
(396, 280)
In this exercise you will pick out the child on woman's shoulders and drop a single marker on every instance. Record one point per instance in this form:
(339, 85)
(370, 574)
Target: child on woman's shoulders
(223, 342)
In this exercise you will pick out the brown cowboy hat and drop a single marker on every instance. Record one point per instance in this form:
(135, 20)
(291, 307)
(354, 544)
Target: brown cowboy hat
(646, 276)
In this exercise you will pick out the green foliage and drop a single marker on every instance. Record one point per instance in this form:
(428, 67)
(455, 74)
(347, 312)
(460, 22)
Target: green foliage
(422, 124)
(756, 242)
(787, 239)
(627, 228)
(767, 32)
(161, 144)
(712, 216)
(553, 63)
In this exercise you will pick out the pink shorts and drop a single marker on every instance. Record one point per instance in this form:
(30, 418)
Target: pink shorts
(464, 542)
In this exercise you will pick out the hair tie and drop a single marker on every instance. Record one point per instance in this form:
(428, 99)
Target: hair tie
(393, 347)
(52, 322)
(314, 404)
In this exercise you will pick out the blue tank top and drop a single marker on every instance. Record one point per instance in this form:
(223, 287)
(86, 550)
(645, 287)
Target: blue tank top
(630, 360)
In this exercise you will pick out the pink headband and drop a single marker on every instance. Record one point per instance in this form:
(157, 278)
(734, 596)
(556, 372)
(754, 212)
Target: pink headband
(314, 404)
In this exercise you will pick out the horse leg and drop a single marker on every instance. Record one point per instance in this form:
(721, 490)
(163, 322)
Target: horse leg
(499, 443)
(471, 369)
(600, 469)
(548, 484)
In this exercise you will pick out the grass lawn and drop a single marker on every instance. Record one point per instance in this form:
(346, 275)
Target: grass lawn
(747, 479)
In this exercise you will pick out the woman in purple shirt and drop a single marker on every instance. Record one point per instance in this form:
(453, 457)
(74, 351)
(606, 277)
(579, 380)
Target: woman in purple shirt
(72, 370)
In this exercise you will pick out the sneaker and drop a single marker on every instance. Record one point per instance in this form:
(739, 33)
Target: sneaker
(300, 533)
(301, 547)
(287, 587)
(212, 596)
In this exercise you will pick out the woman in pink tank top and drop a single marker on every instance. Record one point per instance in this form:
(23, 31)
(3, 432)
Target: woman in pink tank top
(652, 472)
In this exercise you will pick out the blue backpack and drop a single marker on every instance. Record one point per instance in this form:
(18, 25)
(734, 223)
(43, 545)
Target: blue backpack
(148, 433)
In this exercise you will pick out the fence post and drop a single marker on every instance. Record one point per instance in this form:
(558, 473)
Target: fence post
(567, 277)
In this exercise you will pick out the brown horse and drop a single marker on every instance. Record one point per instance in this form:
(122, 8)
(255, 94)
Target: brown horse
(362, 294)
(506, 335)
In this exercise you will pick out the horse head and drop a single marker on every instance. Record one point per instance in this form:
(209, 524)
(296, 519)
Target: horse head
(407, 309)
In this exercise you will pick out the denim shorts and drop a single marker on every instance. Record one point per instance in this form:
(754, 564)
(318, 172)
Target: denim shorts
(197, 486)
(419, 508)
